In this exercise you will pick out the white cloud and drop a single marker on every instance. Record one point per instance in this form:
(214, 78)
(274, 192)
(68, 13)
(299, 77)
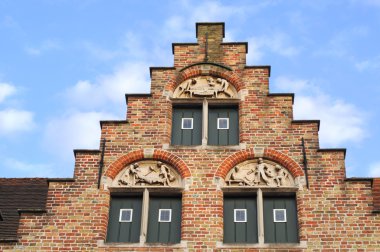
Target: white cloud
(100, 53)
(6, 90)
(278, 43)
(342, 43)
(341, 122)
(75, 130)
(211, 11)
(45, 46)
(374, 170)
(27, 169)
(371, 3)
(369, 64)
(181, 27)
(127, 78)
(13, 121)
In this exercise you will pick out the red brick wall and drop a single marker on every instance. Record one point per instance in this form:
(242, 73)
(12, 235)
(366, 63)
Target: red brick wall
(332, 213)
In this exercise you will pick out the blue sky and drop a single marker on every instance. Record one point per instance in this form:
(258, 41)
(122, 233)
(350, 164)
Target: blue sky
(65, 65)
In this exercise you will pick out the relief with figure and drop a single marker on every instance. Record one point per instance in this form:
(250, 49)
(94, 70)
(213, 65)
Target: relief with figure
(147, 173)
(260, 173)
(205, 86)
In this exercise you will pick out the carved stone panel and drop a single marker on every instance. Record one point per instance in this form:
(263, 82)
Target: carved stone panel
(259, 173)
(147, 173)
(205, 86)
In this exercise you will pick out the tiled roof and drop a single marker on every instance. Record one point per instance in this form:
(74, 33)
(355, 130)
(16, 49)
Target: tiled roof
(17, 194)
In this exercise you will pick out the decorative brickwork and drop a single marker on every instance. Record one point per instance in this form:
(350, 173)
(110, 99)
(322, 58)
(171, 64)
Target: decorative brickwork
(271, 154)
(331, 213)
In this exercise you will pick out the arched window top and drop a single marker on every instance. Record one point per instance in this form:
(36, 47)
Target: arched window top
(148, 173)
(259, 173)
(205, 86)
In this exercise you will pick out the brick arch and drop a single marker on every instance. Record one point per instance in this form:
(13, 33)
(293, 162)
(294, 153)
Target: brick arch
(206, 69)
(276, 156)
(161, 155)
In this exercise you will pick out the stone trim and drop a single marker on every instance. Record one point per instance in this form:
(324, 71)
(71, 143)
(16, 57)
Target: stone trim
(102, 122)
(85, 151)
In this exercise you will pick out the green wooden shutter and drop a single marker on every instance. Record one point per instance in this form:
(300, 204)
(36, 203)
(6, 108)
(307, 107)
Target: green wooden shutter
(164, 232)
(187, 136)
(124, 231)
(240, 232)
(223, 136)
(280, 232)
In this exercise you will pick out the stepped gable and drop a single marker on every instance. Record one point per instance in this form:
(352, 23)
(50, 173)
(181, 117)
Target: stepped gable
(208, 160)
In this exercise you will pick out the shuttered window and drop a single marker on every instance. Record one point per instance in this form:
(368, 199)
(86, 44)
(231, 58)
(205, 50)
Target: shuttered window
(122, 225)
(164, 221)
(187, 126)
(280, 220)
(223, 126)
(240, 219)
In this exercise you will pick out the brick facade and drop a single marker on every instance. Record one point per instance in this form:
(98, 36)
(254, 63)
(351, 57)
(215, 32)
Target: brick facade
(334, 212)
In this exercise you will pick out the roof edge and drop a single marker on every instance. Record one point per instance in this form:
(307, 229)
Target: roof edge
(283, 94)
(31, 210)
(127, 95)
(159, 68)
(237, 43)
(308, 121)
(61, 180)
(261, 66)
(344, 150)
(90, 151)
(209, 23)
(182, 44)
(112, 121)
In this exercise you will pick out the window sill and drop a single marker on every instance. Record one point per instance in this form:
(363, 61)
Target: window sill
(241, 146)
(103, 244)
(301, 245)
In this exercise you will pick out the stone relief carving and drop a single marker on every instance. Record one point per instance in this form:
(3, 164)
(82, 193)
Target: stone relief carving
(259, 173)
(147, 173)
(205, 86)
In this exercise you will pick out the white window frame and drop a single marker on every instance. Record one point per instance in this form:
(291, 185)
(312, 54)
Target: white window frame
(159, 215)
(187, 118)
(125, 210)
(274, 215)
(224, 118)
(245, 215)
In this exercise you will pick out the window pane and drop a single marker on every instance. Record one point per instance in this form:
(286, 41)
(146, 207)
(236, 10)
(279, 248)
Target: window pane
(187, 123)
(240, 215)
(165, 215)
(126, 215)
(223, 123)
(279, 215)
